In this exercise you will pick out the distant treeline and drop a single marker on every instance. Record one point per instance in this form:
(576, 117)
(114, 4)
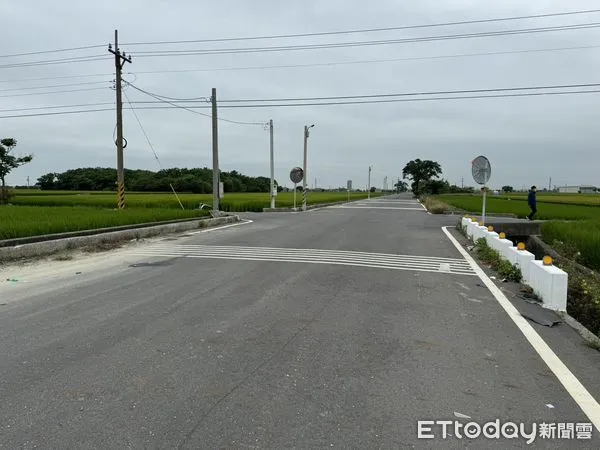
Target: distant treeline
(198, 181)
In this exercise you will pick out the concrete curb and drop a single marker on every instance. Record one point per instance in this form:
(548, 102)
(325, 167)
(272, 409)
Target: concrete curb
(47, 248)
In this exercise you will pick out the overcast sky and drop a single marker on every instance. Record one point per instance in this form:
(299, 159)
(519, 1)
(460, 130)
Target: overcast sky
(527, 139)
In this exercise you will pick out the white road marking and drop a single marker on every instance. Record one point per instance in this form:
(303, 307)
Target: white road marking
(379, 207)
(224, 226)
(578, 392)
(315, 256)
(445, 267)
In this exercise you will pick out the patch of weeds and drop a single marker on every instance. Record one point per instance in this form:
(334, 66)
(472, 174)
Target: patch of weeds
(492, 257)
(434, 206)
(510, 272)
(63, 257)
(583, 298)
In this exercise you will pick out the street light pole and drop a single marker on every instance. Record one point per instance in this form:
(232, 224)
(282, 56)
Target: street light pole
(304, 167)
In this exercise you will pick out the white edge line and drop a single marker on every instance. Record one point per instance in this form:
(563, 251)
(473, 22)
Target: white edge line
(224, 226)
(580, 394)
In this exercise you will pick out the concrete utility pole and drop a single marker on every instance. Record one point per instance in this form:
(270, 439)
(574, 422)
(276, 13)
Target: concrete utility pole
(272, 165)
(120, 60)
(215, 149)
(369, 185)
(304, 184)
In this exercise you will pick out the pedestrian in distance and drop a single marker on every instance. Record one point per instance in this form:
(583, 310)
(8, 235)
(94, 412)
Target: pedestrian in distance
(532, 202)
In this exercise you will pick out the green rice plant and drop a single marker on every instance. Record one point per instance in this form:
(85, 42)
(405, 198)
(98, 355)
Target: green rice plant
(546, 211)
(25, 221)
(578, 240)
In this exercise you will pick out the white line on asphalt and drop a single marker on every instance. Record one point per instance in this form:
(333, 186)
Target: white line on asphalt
(580, 394)
(309, 251)
(378, 207)
(224, 226)
(310, 261)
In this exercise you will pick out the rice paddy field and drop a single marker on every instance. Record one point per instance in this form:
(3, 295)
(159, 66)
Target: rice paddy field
(33, 212)
(573, 220)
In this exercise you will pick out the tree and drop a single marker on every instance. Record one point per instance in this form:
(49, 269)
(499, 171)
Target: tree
(401, 186)
(507, 188)
(421, 172)
(9, 162)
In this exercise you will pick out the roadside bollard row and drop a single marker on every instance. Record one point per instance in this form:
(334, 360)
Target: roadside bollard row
(548, 282)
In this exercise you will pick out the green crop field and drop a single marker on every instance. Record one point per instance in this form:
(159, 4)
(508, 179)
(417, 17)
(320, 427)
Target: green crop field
(25, 221)
(32, 213)
(562, 208)
(237, 202)
(573, 220)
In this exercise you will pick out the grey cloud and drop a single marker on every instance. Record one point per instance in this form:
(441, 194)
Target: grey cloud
(527, 139)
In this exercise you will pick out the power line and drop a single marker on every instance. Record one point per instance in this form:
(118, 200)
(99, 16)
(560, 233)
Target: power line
(55, 113)
(36, 108)
(87, 47)
(404, 94)
(53, 86)
(55, 61)
(372, 101)
(367, 61)
(368, 30)
(53, 92)
(156, 96)
(151, 146)
(331, 63)
(19, 80)
(362, 43)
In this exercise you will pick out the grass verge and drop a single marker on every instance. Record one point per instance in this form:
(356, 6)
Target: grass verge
(435, 206)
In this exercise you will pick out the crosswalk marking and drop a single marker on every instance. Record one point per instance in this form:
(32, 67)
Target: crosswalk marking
(311, 256)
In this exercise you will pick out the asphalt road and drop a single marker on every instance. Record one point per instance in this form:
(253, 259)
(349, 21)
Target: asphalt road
(336, 328)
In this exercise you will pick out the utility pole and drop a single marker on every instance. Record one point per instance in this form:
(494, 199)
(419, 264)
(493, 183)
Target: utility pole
(215, 150)
(462, 182)
(120, 60)
(304, 167)
(369, 185)
(550, 184)
(27, 180)
(272, 165)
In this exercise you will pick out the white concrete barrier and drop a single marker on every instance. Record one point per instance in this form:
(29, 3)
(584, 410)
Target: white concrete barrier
(512, 255)
(524, 258)
(490, 237)
(470, 227)
(503, 246)
(550, 284)
(479, 232)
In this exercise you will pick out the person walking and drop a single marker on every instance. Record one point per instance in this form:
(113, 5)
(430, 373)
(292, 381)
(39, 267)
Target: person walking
(532, 202)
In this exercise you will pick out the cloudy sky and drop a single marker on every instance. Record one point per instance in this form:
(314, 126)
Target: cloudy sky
(527, 139)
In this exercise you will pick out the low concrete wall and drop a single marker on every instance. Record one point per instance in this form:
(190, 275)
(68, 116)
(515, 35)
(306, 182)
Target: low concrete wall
(49, 247)
(515, 228)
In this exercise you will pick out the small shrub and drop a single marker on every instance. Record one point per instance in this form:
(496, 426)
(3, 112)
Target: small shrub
(510, 272)
(434, 206)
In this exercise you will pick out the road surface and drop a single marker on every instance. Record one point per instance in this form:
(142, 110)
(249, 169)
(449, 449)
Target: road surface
(340, 327)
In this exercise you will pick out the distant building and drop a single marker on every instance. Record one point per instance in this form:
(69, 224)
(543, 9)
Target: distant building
(583, 189)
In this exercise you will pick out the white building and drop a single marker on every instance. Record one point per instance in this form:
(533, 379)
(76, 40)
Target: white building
(583, 189)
